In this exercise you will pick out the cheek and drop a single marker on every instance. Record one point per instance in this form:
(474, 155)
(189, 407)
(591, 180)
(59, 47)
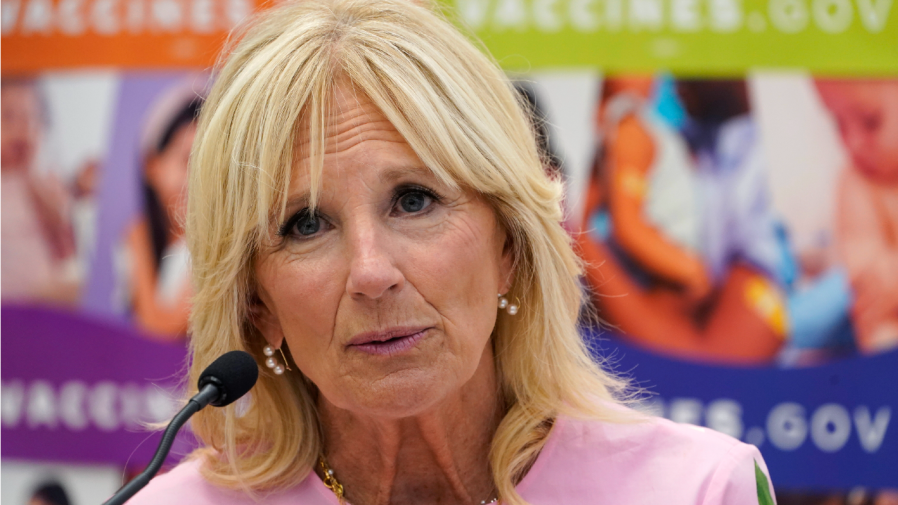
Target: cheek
(170, 178)
(178, 175)
(305, 298)
(458, 274)
(890, 164)
(887, 148)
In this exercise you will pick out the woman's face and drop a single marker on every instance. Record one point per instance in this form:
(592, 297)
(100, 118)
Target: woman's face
(386, 295)
(167, 172)
(20, 133)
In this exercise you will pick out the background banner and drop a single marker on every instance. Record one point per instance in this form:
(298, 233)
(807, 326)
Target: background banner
(705, 37)
(819, 428)
(135, 34)
(77, 390)
(700, 37)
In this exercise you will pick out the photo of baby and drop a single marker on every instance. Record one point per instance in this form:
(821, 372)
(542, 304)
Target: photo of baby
(866, 112)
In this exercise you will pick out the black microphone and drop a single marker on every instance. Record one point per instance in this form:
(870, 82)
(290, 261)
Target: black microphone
(228, 378)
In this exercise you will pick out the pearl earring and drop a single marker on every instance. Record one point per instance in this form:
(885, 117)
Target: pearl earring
(272, 362)
(511, 308)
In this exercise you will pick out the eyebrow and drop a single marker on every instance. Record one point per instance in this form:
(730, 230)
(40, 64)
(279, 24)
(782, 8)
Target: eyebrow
(392, 174)
(297, 202)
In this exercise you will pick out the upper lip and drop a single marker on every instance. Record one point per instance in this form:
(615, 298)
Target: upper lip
(386, 334)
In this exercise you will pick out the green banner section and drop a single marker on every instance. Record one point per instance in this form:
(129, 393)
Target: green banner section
(702, 37)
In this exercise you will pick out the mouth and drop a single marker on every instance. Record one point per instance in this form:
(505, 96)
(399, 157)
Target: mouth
(389, 342)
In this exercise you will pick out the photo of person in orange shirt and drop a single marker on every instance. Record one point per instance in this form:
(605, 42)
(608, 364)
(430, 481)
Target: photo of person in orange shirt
(688, 262)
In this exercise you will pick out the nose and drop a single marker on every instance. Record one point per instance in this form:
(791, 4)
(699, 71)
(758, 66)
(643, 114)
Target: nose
(372, 272)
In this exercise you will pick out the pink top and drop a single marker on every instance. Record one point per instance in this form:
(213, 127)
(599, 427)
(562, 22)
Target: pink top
(652, 462)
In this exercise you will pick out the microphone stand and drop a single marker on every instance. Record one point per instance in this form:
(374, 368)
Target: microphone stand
(208, 394)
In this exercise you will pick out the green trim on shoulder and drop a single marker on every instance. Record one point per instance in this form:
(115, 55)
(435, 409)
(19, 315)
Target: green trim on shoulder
(763, 485)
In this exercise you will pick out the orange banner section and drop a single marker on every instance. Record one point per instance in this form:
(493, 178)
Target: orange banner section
(57, 34)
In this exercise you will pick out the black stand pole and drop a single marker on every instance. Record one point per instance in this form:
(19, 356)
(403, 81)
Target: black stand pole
(196, 403)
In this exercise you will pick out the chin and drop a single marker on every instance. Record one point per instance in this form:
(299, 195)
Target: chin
(401, 394)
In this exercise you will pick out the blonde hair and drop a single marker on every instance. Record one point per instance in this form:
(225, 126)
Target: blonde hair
(462, 117)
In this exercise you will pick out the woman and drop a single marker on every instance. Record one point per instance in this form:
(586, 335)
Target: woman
(156, 253)
(363, 185)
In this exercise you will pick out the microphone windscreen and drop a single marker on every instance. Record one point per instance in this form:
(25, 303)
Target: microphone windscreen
(234, 373)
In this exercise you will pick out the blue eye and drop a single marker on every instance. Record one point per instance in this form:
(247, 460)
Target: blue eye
(307, 225)
(414, 201)
(304, 224)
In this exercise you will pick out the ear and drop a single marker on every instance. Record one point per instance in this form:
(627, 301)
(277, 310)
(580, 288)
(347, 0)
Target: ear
(266, 321)
(507, 265)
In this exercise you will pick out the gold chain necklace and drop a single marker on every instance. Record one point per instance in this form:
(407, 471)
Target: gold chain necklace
(331, 482)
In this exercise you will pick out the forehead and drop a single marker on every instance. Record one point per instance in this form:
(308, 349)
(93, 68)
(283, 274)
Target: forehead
(848, 94)
(356, 135)
(351, 118)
